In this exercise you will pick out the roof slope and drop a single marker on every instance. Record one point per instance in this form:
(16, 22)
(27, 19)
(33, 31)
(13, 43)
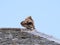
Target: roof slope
(19, 36)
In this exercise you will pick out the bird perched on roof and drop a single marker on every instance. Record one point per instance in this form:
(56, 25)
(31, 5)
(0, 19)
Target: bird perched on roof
(28, 23)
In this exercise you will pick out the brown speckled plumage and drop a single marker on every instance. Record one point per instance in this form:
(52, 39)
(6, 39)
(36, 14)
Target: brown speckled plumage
(28, 23)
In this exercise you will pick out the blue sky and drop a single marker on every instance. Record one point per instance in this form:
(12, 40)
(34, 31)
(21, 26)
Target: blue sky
(46, 14)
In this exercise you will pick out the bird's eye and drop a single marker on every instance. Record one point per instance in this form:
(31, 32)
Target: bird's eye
(29, 23)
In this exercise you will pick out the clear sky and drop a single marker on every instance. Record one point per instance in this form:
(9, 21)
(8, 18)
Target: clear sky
(46, 14)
